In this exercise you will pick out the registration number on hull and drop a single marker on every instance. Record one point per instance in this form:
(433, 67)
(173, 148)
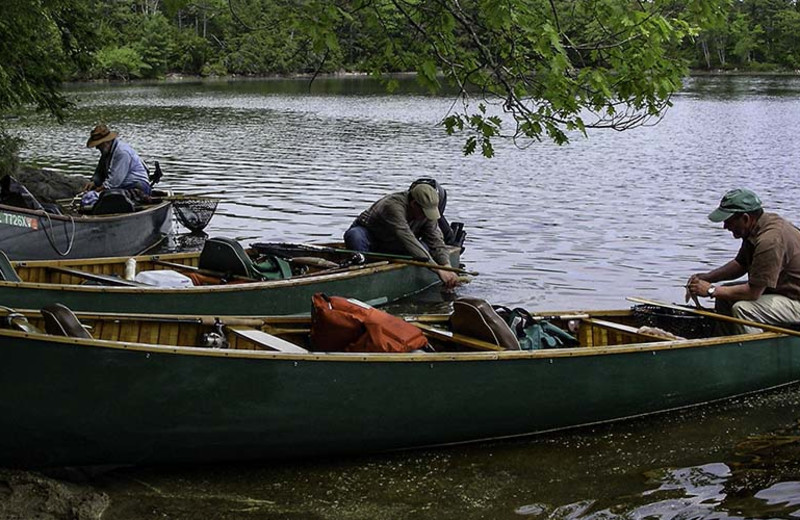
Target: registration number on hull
(11, 219)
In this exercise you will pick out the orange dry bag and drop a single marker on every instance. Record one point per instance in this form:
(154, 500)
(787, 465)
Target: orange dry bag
(347, 325)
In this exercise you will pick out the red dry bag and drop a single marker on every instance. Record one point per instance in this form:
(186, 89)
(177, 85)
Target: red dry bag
(347, 325)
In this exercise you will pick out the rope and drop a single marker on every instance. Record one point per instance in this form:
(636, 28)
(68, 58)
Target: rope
(50, 238)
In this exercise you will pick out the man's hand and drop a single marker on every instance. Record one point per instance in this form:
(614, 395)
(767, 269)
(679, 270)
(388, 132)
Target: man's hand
(449, 278)
(697, 286)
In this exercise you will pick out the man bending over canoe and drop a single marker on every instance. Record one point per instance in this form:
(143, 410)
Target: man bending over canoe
(769, 255)
(119, 166)
(404, 223)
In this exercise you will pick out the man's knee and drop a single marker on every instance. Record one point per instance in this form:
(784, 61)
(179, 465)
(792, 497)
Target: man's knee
(744, 310)
(357, 238)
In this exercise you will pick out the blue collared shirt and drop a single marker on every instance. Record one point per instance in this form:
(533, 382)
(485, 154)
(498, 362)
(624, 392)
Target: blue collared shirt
(127, 169)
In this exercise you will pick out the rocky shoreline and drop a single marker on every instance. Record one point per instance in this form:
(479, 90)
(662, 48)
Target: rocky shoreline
(49, 186)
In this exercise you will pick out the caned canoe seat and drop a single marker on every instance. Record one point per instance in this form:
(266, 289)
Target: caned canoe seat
(60, 321)
(7, 271)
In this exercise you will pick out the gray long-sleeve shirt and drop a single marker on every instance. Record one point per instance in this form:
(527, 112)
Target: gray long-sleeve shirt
(124, 168)
(392, 229)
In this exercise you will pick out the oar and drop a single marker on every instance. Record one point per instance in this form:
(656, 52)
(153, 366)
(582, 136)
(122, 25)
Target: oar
(396, 259)
(716, 316)
(208, 272)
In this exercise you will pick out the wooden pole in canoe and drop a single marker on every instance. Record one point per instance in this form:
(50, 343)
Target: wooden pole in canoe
(395, 259)
(717, 316)
(208, 272)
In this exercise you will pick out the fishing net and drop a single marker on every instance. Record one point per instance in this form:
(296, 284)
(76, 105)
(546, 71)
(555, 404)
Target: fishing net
(680, 323)
(195, 213)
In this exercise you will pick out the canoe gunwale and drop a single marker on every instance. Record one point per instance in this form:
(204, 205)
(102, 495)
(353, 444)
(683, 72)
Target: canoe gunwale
(355, 272)
(150, 208)
(426, 357)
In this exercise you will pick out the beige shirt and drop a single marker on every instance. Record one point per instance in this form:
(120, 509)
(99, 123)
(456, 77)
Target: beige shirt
(771, 256)
(392, 230)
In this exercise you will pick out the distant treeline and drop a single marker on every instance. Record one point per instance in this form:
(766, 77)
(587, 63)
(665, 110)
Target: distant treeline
(153, 38)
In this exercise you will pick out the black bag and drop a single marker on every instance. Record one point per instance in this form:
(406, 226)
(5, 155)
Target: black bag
(113, 201)
(13, 193)
(534, 334)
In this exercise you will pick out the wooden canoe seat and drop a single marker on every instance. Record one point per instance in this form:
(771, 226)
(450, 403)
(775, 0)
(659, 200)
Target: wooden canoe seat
(60, 321)
(268, 341)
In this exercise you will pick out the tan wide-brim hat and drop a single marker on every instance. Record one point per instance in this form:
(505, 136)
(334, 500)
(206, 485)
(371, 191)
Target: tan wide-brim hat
(100, 134)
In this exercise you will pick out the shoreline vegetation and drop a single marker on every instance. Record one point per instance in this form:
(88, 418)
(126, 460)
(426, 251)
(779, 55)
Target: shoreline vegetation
(179, 77)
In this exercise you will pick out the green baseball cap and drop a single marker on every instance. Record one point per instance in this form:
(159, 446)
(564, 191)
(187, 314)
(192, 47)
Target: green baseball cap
(739, 200)
(428, 199)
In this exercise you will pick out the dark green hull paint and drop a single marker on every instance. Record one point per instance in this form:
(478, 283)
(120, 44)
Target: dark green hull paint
(68, 404)
(83, 236)
(268, 298)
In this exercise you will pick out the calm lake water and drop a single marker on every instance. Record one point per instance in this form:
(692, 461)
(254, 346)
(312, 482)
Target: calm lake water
(549, 227)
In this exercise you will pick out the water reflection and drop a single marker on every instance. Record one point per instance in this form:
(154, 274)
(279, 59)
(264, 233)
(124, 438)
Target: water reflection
(676, 466)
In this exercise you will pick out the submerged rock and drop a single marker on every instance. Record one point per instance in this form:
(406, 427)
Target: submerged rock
(26, 495)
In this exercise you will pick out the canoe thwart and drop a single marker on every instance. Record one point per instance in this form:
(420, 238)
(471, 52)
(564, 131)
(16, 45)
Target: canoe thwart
(268, 341)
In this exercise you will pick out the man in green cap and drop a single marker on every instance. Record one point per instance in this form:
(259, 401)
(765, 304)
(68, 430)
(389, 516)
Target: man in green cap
(769, 256)
(404, 223)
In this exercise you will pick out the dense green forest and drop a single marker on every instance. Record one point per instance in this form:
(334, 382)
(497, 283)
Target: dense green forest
(151, 38)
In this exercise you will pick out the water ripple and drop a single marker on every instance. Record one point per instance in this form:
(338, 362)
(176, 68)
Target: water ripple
(587, 224)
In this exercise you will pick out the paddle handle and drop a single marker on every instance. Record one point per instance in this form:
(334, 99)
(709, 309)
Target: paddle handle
(433, 266)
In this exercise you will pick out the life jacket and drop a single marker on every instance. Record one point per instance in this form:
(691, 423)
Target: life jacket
(346, 325)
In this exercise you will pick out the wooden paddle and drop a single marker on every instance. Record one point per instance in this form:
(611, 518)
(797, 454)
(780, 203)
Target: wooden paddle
(395, 259)
(208, 272)
(95, 277)
(716, 316)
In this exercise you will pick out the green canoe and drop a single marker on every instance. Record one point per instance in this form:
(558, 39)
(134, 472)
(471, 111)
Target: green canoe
(145, 392)
(98, 284)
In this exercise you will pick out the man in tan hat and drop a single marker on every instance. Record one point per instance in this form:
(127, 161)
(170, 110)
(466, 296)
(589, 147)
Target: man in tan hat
(769, 256)
(119, 165)
(404, 223)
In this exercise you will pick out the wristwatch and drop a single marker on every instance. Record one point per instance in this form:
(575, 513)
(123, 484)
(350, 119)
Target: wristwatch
(711, 290)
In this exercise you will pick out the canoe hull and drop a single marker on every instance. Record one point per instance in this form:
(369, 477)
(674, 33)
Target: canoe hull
(122, 405)
(36, 235)
(376, 283)
(376, 286)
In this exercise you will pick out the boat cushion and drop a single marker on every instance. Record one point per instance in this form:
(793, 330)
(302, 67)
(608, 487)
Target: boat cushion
(225, 255)
(476, 318)
(346, 325)
(7, 271)
(60, 321)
